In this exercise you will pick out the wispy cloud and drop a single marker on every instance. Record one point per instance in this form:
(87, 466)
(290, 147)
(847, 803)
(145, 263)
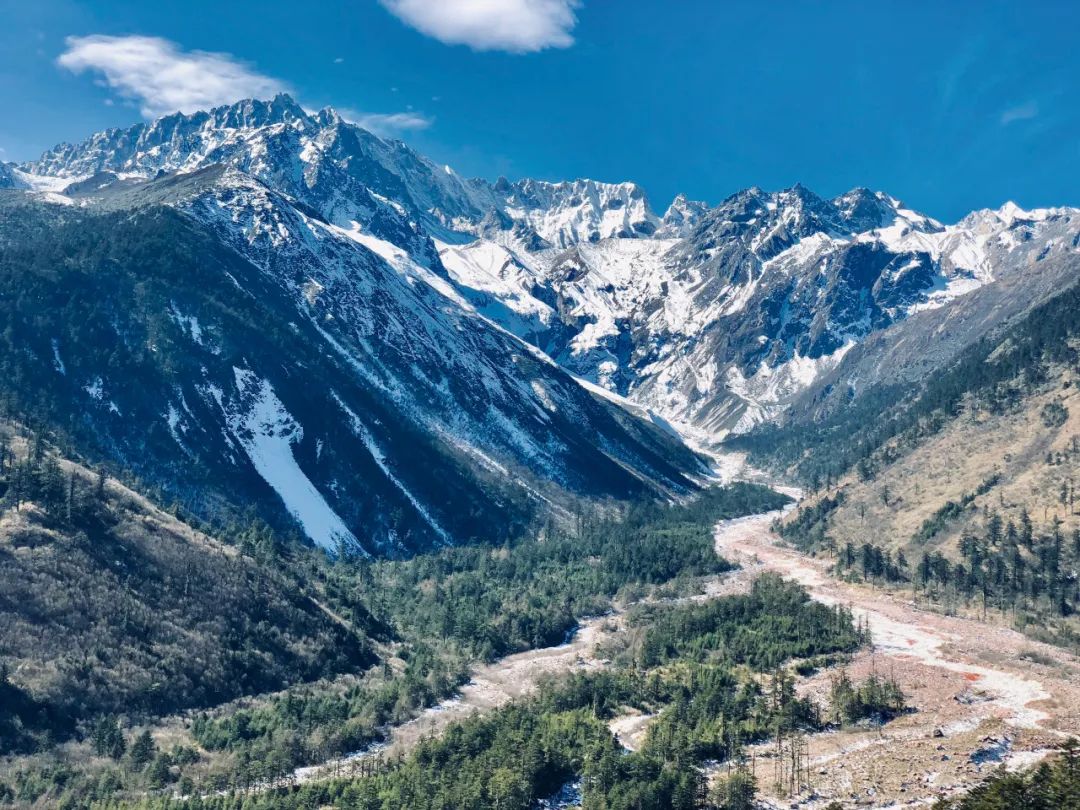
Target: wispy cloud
(517, 26)
(163, 78)
(1023, 112)
(387, 124)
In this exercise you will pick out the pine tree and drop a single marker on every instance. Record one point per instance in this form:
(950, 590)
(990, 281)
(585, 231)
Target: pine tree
(52, 485)
(142, 750)
(71, 492)
(158, 774)
(107, 739)
(1026, 532)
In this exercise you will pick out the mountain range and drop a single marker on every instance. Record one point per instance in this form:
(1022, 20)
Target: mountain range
(258, 304)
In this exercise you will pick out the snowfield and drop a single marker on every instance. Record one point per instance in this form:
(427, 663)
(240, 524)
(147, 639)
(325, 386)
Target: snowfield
(267, 432)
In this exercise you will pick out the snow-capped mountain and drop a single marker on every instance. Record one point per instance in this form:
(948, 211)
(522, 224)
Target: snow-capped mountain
(7, 176)
(721, 325)
(233, 345)
(565, 214)
(713, 318)
(681, 217)
(349, 174)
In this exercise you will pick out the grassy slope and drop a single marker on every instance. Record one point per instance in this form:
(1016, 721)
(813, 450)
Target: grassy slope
(973, 448)
(975, 429)
(124, 609)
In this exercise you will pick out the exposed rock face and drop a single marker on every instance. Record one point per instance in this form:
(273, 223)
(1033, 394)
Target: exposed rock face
(265, 329)
(714, 318)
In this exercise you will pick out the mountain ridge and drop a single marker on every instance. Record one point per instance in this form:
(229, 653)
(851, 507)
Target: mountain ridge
(715, 318)
(304, 373)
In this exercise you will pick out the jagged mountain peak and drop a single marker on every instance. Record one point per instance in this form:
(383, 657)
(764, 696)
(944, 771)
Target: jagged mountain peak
(328, 117)
(583, 185)
(764, 290)
(799, 192)
(867, 209)
(682, 201)
(780, 218)
(681, 216)
(1012, 215)
(569, 212)
(279, 142)
(252, 113)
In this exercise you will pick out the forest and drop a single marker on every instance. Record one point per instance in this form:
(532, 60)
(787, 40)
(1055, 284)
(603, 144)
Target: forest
(109, 607)
(434, 614)
(735, 690)
(476, 603)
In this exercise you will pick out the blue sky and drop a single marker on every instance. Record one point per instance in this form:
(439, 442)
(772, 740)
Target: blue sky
(949, 106)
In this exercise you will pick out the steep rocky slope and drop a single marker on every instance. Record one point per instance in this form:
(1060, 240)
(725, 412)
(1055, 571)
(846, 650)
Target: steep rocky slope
(715, 318)
(231, 347)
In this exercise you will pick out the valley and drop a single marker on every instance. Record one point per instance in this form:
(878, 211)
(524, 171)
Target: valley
(517, 676)
(984, 696)
(339, 479)
(979, 696)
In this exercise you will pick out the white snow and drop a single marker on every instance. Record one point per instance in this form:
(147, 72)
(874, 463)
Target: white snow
(267, 432)
(571, 213)
(401, 261)
(769, 386)
(45, 183)
(968, 253)
(380, 459)
(189, 324)
(58, 362)
(493, 269)
(804, 251)
(542, 394)
(176, 424)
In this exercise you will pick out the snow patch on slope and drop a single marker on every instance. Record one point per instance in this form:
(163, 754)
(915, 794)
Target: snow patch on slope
(377, 454)
(189, 324)
(267, 432)
(58, 361)
(768, 387)
(493, 270)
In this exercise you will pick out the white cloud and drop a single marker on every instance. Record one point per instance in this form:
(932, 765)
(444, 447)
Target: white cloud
(386, 124)
(1021, 113)
(518, 26)
(163, 78)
